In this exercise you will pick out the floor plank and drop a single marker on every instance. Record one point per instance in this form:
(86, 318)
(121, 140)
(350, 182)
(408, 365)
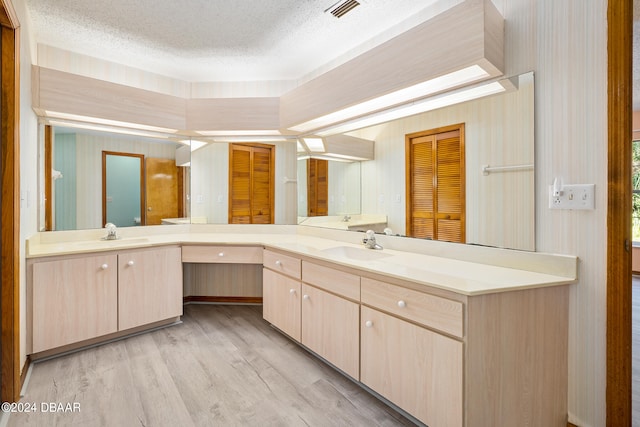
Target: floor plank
(223, 366)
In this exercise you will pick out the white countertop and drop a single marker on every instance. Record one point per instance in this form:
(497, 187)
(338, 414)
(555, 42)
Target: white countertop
(445, 272)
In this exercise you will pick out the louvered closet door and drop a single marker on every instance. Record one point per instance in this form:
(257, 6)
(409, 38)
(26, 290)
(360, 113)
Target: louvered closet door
(422, 201)
(435, 184)
(261, 186)
(317, 187)
(251, 184)
(449, 186)
(240, 185)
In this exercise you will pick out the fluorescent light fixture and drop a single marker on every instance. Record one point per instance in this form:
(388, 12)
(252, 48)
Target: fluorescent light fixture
(315, 145)
(96, 120)
(301, 148)
(467, 75)
(109, 129)
(193, 143)
(250, 139)
(417, 107)
(270, 132)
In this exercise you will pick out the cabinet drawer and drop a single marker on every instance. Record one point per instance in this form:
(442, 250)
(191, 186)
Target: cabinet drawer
(281, 263)
(222, 254)
(338, 282)
(429, 310)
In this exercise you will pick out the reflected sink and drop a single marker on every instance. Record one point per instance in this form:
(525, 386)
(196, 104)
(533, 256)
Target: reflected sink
(360, 254)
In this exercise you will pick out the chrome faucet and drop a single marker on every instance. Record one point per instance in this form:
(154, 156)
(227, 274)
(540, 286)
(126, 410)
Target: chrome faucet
(111, 231)
(370, 240)
(346, 218)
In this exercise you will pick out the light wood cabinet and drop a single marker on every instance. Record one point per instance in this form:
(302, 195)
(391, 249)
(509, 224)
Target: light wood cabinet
(330, 328)
(281, 289)
(74, 300)
(149, 286)
(281, 302)
(415, 368)
(445, 358)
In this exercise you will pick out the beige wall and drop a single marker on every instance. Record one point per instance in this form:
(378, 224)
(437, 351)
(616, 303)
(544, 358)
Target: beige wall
(564, 43)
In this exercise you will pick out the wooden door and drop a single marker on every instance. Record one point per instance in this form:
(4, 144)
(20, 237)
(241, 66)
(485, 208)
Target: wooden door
(149, 286)
(317, 187)
(162, 195)
(435, 184)
(74, 300)
(330, 328)
(251, 176)
(415, 368)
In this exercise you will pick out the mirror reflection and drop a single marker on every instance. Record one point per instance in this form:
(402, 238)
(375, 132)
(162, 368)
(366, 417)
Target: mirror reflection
(498, 134)
(499, 204)
(100, 177)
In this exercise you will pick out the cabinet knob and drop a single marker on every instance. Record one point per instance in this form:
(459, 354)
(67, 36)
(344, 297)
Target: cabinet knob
(104, 266)
(305, 296)
(130, 263)
(368, 323)
(221, 254)
(402, 304)
(292, 291)
(278, 262)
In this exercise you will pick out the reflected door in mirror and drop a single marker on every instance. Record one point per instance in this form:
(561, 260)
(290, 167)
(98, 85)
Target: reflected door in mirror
(122, 189)
(435, 184)
(317, 187)
(163, 197)
(251, 183)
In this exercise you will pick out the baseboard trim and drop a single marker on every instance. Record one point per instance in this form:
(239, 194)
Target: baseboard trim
(223, 300)
(25, 371)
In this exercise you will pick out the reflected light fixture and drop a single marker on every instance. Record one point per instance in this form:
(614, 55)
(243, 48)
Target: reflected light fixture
(420, 106)
(107, 122)
(464, 76)
(270, 132)
(315, 145)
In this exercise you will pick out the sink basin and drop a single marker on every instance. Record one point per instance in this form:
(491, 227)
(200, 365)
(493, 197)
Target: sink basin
(360, 254)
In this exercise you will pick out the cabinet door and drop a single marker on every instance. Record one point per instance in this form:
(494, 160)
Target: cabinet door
(74, 300)
(417, 369)
(281, 302)
(330, 328)
(150, 286)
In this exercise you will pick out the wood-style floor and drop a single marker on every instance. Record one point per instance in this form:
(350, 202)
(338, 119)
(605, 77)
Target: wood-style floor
(224, 366)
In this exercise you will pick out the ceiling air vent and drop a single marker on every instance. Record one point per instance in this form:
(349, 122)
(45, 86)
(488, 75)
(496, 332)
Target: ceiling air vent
(342, 7)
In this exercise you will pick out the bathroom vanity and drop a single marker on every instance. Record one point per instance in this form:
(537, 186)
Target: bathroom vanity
(453, 335)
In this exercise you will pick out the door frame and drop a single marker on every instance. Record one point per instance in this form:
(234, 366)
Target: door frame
(10, 381)
(619, 116)
(143, 215)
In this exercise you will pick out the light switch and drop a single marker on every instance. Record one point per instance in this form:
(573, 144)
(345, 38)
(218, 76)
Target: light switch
(573, 196)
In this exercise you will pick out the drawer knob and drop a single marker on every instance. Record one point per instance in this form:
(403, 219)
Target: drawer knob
(221, 254)
(402, 304)
(130, 263)
(368, 323)
(278, 262)
(104, 266)
(292, 291)
(305, 296)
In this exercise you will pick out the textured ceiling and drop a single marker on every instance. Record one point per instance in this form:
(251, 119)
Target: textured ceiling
(219, 40)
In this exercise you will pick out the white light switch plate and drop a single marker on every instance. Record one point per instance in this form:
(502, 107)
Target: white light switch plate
(573, 196)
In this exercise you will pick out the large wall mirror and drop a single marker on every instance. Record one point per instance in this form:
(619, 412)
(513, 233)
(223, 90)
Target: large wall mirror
(499, 203)
(499, 169)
